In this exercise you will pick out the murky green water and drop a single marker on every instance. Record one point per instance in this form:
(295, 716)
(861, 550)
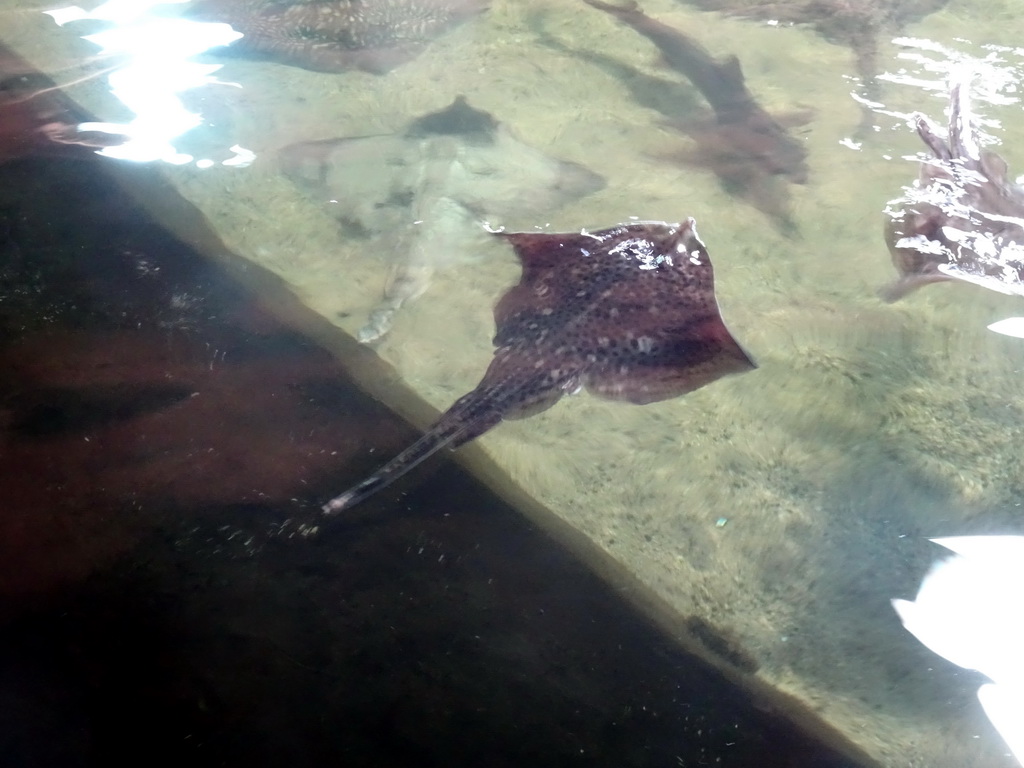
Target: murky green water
(867, 428)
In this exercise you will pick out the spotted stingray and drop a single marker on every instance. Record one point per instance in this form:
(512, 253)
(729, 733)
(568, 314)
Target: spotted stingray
(337, 35)
(628, 313)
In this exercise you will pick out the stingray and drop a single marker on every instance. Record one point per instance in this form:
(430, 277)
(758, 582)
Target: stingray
(963, 219)
(421, 195)
(337, 35)
(858, 24)
(747, 148)
(629, 313)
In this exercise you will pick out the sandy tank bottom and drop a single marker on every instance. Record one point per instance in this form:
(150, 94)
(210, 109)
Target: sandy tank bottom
(773, 514)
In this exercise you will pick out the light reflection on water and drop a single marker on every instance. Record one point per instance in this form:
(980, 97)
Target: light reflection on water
(154, 65)
(868, 428)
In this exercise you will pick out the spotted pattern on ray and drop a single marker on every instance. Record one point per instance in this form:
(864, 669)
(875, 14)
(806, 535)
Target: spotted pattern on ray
(629, 313)
(337, 35)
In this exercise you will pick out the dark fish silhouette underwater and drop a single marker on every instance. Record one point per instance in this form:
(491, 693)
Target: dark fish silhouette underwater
(750, 150)
(858, 24)
(963, 219)
(629, 313)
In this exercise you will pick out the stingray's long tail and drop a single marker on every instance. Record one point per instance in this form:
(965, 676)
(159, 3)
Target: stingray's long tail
(419, 451)
(468, 418)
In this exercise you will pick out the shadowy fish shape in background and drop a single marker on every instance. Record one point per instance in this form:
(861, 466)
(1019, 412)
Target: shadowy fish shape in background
(963, 219)
(628, 312)
(749, 150)
(337, 35)
(421, 195)
(857, 24)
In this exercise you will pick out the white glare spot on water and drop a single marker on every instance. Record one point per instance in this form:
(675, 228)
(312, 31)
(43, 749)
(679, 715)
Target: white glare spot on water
(243, 157)
(1011, 326)
(154, 67)
(968, 611)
